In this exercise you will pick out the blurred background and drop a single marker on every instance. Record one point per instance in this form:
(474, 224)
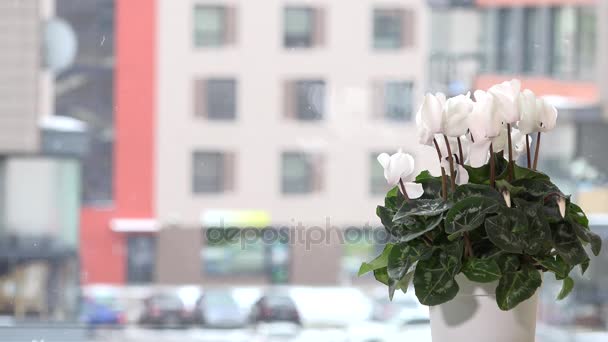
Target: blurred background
(205, 170)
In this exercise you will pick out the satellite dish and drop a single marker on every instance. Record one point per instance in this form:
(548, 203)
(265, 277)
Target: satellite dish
(59, 45)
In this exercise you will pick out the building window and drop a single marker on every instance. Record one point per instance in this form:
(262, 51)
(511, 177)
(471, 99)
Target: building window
(565, 41)
(361, 245)
(303, 27)
(393, 100)
(212, 172)
(377, 182)
(215, 98)
(225, 254)
(214, 26)
(532, 38)
(141, 256)
(305, 99)
(506, 40)
(587, 45)
(301, 173)
(393, 28)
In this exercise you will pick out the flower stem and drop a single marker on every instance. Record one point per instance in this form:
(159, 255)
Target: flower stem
(460, 154)
(536, 152)
(444, 187)
(492, 168)
(528, 150)
(467, 245)
(510, 171)
(407, 198)
(451, 160)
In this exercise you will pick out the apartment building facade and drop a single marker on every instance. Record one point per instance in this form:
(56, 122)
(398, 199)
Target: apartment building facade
(270, 114)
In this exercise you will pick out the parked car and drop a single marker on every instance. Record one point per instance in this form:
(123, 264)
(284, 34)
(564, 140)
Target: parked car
(95, 313)
(165, 310)
(275, 308)
(403, 305)
(218, 309)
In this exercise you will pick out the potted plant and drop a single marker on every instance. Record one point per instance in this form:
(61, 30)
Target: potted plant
(475, 237)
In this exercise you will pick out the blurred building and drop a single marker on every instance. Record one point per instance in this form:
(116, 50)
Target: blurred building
(225, 120)
(39, 166)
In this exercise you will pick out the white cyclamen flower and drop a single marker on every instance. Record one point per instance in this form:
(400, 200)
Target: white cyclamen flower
(537, 115)
(462, 175)
(429, 118)
(518, 142)
(506, 95)
(485, 124)
(400, 166)
(455, 115)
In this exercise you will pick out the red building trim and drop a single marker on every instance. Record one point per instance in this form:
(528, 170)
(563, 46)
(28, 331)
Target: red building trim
(579, 90)
(102, 250)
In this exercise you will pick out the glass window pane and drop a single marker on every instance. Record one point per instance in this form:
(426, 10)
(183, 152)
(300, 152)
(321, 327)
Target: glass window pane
(298, 27)
(565, 40)
(310, 99)
(297, 171)
(208, 172)
(506, 41)
(221, 98)
(397, 100)
(233, 257)
(532, 37)
(209, 26)
(388, 29)
(587, 43)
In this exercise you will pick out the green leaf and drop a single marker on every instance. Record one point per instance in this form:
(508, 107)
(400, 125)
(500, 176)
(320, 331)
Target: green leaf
(567, 244)
(567, 286)
(501, 232)
(421, 225)
(555, 264)
(481, 175)
(394, 199)
(434, 278)
(538, 233)
(424, 176)
(469, 214)
(588, 236)
(584, 266)
(386, 217)
(508, 263)
(381, 275)
(525, 173)
(402, 284)
(379, 262)
(403, 256)
(537, 187)
(481, 270)
(421, 207)
(479, 190)
(574, 213)
(515, 287)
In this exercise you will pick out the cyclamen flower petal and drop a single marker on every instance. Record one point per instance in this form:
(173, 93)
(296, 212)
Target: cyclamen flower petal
(547, 115)
(506, 95)
(431, 112)
(484, 121)
(462, 175)
(478, 153)
(529, 112)
(414, 190)
(457, 110)
(396, 167)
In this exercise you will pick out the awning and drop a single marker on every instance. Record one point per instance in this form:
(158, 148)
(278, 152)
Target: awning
(134, 225)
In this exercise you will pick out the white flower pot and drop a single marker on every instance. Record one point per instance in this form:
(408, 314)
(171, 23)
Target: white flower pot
(474, 316)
